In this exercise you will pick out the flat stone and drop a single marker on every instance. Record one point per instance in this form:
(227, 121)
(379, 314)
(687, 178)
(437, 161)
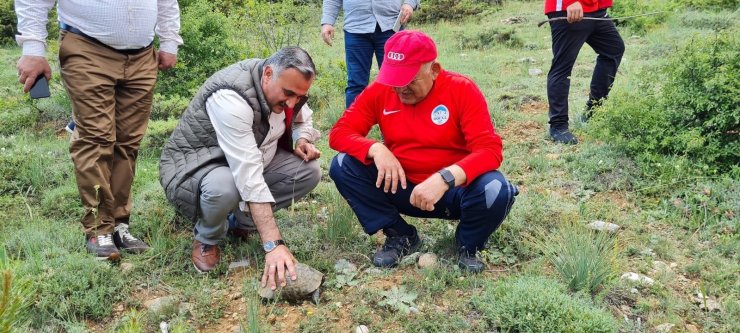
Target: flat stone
(641, 279)
(238, 266)
(362, 329)
(428, 260)
(164, 327)
(156, 305)
(660, 266)
(664, 328)
(126, 267)
(707, 303)
(691, 328)
(535, 71)
(603, 226)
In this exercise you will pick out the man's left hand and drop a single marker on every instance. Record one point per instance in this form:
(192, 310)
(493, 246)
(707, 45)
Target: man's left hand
(166, 60)
(426, 194)
(406, 12)
(306, 150)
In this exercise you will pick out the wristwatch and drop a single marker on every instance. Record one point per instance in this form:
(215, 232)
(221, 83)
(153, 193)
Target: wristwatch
(271, 245)
(448, 177)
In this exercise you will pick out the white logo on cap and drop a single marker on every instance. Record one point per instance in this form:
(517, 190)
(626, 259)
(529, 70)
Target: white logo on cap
(396, 56)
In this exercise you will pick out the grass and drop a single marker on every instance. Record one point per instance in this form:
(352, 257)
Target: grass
(668, 212)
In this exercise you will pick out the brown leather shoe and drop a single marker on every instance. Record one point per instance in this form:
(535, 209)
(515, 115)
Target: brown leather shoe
(205, 257)
(242, 234)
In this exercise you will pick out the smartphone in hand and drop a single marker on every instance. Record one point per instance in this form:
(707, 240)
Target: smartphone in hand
(40, 88)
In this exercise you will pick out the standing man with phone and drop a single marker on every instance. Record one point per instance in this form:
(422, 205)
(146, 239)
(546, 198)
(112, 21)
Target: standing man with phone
(568, 36)
(367, 26)
(109, 68)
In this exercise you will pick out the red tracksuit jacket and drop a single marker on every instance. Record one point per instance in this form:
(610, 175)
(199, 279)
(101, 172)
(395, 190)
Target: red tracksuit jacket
(450, 126)
(589, 6)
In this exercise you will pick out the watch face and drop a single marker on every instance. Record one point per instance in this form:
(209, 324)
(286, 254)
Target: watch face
(269, 246)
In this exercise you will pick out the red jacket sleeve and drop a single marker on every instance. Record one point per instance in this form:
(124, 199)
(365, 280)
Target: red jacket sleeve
(486, 148)
(348, 135)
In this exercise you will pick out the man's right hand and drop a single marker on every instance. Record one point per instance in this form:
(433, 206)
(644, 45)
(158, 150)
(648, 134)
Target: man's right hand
(575, 12)
(390, 171)
(29, 68)
(278, 262)
(327, 34)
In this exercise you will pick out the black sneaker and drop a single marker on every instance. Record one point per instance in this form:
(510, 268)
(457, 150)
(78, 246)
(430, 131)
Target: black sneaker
(103, 248)
(395, 248)
(563, 136)
(469, 262)
(124, 240)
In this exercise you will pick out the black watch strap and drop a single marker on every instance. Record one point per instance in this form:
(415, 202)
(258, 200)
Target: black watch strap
(448, 177)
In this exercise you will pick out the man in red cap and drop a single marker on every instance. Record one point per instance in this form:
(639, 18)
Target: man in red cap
(438, 157)
(568, 36)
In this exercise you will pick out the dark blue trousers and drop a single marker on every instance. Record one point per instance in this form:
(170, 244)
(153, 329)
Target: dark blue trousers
(567, 40)
(359, 50)
(480, 207)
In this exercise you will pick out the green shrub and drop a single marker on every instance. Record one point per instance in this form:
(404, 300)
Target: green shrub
(208, 47)
(166, 107)
(73, 286)
(261, 18)
(603, 168)
(711, 4)
(624, 8)
(432, 11)
(708, 20)
(157, 134)
(8, 22)
(15, 296)
(689, 106)
(584, 259)
(491, 37)
(536, 304)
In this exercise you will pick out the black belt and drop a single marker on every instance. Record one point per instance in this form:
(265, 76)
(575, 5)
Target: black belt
(76, 31)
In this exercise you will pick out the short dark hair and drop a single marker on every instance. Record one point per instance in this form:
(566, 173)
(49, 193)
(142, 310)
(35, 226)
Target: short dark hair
(292, 57)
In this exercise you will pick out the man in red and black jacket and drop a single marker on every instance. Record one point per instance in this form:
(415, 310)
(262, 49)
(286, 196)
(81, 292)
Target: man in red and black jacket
(568, 37)
(438, 158)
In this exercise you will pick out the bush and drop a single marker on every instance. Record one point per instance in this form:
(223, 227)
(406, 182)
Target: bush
(536, 304)
(165, 108)
(432, 11)
(489, 38)
(208, 47)
(584, 259)
(711, 4)
(694, 113)
(624, 8)
(73, 286)
(8, 22)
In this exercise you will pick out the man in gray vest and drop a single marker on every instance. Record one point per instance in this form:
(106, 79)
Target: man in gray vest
(245, 145)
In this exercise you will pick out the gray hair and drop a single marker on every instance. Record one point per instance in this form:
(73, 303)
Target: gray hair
(292, 57)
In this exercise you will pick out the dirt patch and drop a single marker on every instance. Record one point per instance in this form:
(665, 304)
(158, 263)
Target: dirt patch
(521, 131)
(533, 106)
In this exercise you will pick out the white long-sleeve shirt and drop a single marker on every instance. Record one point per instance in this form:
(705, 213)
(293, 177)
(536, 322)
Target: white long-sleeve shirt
(232, 120)
(120, 24)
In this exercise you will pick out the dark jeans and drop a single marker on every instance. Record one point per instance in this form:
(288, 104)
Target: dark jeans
(480, 206)
(567, 40)
(359, 49)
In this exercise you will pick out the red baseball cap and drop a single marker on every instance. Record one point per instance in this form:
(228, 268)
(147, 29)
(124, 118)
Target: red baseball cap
(404, 54)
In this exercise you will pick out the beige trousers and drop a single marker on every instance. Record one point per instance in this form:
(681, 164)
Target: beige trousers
(111, 94)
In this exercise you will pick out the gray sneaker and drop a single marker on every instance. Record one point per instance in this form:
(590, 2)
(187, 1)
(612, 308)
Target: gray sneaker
(563, 136)
(395, 248)
(124, 240)
(103, 248)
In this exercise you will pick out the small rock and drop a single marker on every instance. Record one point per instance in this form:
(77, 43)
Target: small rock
(126, 267)
(707, 303)
(164, 327)
(410, 259)
(603, 226)
(526, 59)
(374, 271)
(362, 329)
(156, 305)
(535, 71)
(238, 266)
(673, 265)
(236, 329)
(660, 266)
(428, 260)
(664, 328)
(634, 277)
(184, 308)
(634, 291)
(691, 328)
(344, 266)
(413, 310)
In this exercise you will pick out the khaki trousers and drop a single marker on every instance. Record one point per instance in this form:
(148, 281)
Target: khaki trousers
(111, 94)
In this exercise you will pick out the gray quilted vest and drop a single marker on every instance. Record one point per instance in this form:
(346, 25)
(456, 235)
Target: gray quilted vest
(192, 150)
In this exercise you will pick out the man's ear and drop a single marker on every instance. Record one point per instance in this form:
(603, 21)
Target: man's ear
(436, 68)
(267, 72)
